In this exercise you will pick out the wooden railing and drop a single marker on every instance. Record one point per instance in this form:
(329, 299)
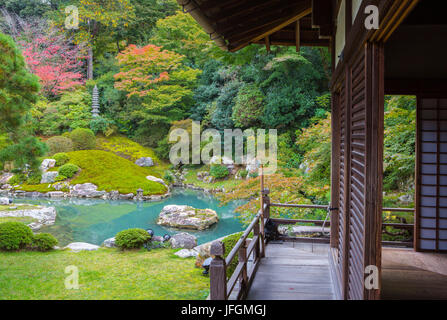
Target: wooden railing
(326, 223)
(250, 251)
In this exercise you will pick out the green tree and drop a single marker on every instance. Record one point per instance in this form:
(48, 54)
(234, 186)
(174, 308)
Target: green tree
(248, 108)
(399, 141)
(159, 88)
(147, 13)
(99, 21)
(315, 144)
(291, 84)
(180, 33)
(18, 90)
(72, 111)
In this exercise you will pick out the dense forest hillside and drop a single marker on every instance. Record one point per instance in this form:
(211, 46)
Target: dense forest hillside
(154, 68)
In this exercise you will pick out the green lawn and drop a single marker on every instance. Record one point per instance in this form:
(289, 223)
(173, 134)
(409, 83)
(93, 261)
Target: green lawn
(103, 274)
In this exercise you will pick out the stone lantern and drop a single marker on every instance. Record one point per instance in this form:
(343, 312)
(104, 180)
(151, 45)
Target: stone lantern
(140, 193)
(95, 102)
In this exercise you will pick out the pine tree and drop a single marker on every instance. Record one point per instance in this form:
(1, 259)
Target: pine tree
(18, 90)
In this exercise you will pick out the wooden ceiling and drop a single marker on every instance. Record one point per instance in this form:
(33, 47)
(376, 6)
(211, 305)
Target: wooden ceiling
(235, 24)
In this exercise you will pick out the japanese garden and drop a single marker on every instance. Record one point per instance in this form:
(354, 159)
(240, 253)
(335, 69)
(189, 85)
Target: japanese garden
(87, 108)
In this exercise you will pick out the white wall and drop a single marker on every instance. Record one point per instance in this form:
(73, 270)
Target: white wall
(355, 8)
(341, 32)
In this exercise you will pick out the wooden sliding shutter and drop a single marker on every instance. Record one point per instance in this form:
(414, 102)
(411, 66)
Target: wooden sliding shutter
(360, 185)
(431, 199)
(356, 213)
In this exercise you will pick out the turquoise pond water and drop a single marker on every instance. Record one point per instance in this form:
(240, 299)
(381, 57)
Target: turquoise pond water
(93, 221)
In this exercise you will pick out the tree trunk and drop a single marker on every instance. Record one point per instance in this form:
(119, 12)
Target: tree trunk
(90, 63)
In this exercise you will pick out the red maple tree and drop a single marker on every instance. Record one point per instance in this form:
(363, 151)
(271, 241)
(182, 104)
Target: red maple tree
(56, 62)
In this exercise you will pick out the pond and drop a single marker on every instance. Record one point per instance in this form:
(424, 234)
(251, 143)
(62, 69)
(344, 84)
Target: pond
(93, 221)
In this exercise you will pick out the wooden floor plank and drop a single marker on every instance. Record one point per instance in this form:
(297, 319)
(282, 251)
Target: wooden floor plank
(293, 273)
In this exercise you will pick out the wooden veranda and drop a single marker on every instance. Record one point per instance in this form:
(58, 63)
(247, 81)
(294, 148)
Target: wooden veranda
(378, 47)
(272, 266)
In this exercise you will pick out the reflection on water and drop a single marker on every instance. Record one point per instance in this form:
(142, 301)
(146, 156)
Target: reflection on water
(93, 221)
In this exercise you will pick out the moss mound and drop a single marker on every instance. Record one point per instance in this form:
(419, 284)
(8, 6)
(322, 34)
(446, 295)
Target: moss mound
(111, 172)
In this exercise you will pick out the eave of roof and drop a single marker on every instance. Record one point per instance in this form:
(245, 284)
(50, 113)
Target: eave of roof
(234, 24)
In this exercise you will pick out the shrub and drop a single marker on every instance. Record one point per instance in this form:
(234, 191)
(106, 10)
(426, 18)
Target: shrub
(17, 179)
(219, 171)
(44, 241)
(61, 158)
(14, 236)
(100, 125)
(254, 174)
(68, 170)
(83, 139)
(168, 177)
(34, 178)
(59, 144)
(229, 243)
(132, 238)
(60, 178)
(243, 174)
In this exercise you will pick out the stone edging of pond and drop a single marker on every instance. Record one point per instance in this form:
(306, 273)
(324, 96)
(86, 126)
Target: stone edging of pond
(193, 187)
(113, 195)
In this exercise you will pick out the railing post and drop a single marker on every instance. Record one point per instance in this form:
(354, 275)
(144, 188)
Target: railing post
(259, 251)
(218, 272)
(243, 280)
(264, 217)
(266, 201)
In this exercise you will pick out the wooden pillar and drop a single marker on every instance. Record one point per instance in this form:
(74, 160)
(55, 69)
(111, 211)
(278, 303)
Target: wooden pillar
(218, 272)
(335, 170)
(375, 100)
(267, 44)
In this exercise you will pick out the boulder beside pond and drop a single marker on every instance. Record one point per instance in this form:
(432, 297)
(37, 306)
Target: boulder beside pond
(87, 190)
(186, 217)
(109, 243)
(155, 179)
(47, 164)
(5, 177)
(4, 201)
(186, 253)
(45, 216)
(81, 246)
(183, 241)
(145, 162)
(49, 177)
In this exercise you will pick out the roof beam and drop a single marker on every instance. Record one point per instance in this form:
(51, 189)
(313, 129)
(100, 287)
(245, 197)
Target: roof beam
(282, 20)
(298, 14)
(321, 13)
(257, 19)
(258, 15)
(204, 22)
(211, 4)
(310, 43)
(242, 9)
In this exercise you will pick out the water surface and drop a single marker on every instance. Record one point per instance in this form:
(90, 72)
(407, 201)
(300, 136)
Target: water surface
(93, 221)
